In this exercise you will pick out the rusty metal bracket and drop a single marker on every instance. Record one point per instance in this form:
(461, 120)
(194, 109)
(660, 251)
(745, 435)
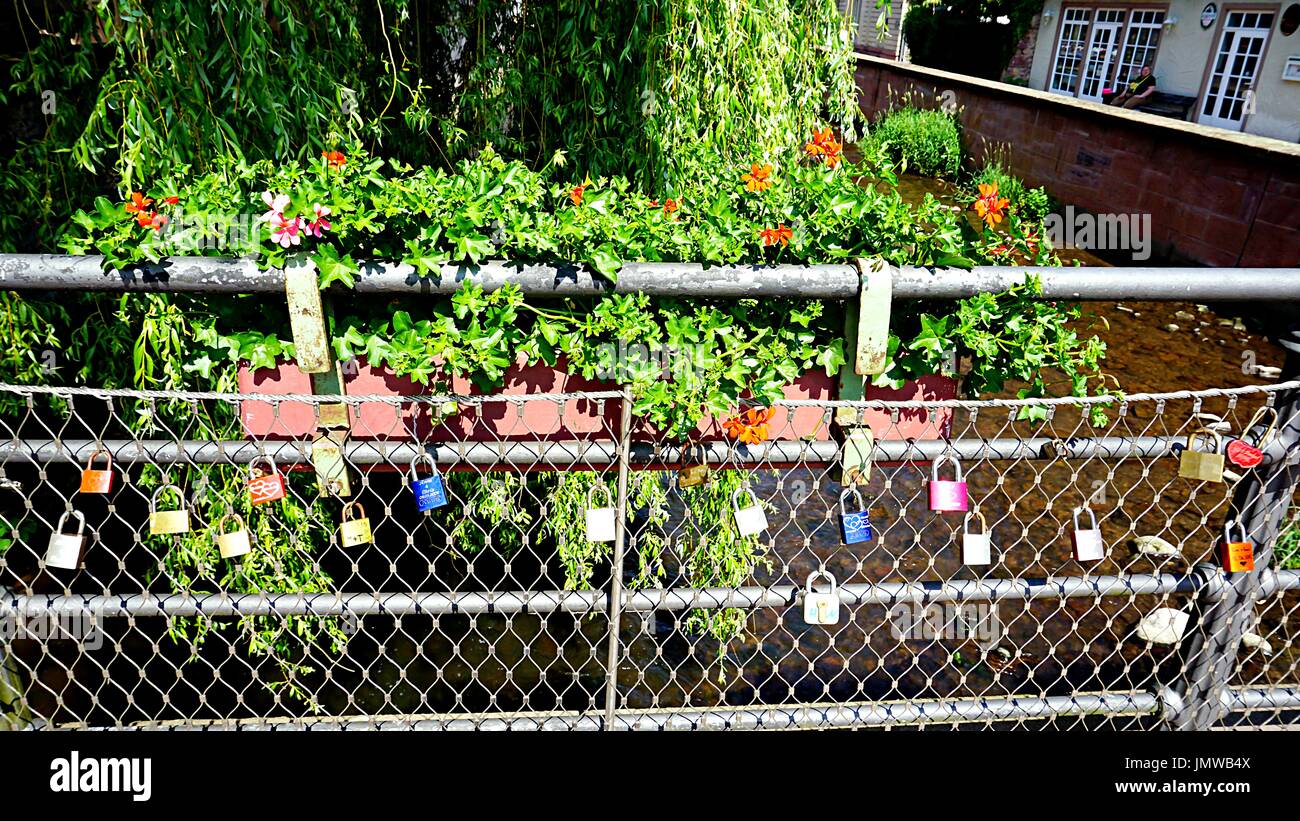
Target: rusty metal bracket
(306, 317)
(871, 351)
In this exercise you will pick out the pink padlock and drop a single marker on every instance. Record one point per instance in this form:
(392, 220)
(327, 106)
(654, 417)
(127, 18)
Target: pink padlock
(945, 495)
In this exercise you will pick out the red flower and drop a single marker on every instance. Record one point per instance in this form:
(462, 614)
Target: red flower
(771, 236)
(334, 159)
(758, 178)
(750, 427)
(139, 203)
(576, 193)
(171, 200)
(989, 206)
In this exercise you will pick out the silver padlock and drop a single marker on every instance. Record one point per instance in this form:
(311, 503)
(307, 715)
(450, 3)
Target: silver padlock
(821, 608)
(64, 551)
(750, 521)
(976, 548)
(1088, 546)
(235, 543)
(600, 520)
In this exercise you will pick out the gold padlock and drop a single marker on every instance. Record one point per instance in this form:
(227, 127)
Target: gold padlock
(1199, 466)
(234, 543)
(162, 522)
(693, 475)
(331, 467)
(353, 532)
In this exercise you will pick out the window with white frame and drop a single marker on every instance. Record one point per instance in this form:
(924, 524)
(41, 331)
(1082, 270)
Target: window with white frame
(1069, 50)
(1141, 41)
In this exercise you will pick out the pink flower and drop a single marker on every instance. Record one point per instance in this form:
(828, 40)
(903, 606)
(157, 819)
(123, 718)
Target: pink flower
(276, 203)
(320, 225)
(286, 232)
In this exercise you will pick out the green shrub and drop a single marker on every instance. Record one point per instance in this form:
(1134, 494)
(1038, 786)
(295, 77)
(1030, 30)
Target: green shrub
(1032, 204)
(926, 140)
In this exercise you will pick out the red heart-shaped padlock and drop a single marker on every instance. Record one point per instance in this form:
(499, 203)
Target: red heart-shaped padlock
(1243, 454)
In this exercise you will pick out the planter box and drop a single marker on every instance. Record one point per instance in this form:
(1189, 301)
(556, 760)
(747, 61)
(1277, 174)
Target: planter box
(559, 421)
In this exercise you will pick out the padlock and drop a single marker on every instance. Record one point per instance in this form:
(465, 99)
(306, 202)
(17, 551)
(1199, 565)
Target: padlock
(1088, 546)
(353, 532)
(429, 492)
(750, 521)
(1236, 557)
(855, 526)
(976, 548)
(331, 467)
(1242, 453)
(234, 543)
(821, 608)
(693, 475)
(947, 495)
(162, 522)
(600, 520)
(264, 485)
(97, 480)
(1202, 467)
(64, 551)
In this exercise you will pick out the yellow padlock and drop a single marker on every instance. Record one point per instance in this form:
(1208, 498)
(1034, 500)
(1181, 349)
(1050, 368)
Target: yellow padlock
(693, 475)
(163, 522)
(1202, 466)
(353, 532)
(234, 543)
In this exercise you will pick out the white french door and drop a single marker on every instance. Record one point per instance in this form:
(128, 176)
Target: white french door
(1103, 48)
(1236, 63)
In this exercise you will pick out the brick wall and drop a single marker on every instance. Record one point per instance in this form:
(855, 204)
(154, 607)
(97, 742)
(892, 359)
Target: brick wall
(1216, 197)
(1023, 58)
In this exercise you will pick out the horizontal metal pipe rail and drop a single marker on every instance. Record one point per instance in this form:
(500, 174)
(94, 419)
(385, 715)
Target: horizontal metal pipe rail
(781, 717)
(174, 605)
(578, 452)
(39, 272)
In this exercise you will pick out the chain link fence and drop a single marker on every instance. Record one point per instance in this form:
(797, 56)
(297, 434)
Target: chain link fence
(534, 562)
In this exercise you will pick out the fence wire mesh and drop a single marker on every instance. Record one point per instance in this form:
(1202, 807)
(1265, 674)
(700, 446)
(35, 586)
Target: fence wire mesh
(495, 609)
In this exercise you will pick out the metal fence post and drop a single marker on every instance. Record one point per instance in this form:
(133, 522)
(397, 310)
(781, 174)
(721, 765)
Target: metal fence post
(616, 564)
(13, 706)
(1226, 604)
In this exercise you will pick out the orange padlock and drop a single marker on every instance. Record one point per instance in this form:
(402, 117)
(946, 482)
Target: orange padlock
(1236, 557)
(264, 484)
(97, 480)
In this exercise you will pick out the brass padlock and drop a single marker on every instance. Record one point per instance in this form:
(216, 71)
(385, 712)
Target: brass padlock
(693, 475)
(234, 543)
(353, 532)
(162, 522)
(1199, 466)
(331, 467)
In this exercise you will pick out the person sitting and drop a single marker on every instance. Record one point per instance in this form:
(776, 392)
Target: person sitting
(1138, 91)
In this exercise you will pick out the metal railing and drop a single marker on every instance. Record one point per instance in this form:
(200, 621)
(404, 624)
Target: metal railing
(466, 615)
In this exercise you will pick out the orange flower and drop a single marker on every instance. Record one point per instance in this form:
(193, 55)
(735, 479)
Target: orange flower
(171, 200)
(771, 236)
(334, 159)
(576, 193)
(139, 203)
(825, 145)
(758, 178)
(989, 206)
(671, 206)
(148, 219)
(750, 427)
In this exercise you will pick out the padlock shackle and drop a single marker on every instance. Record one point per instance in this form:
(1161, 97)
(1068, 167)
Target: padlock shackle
(735, 497)
(1199, 432)
(153, 500)
(221, 523)
(862, 508)
(1227, 530)
(600, 485)
(813, 576)
(685, 453)
(423, 455)
(91, 461)
(946, 457)
(1257, 418)
(81, 522)
(984, 525)
(262, 457)
(1091, 516)
(347, 511)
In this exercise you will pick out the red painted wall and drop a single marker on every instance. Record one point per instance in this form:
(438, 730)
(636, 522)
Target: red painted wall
(1215, 197)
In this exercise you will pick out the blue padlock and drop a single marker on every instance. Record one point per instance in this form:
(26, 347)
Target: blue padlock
(429, 493)
(855, 527)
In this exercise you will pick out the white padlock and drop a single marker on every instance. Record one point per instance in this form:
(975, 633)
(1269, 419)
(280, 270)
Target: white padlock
(750, 521)
(600, 520)
(64, 551)
(821, 608)
(235, 543)
(976, 548)
(1088, 546)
